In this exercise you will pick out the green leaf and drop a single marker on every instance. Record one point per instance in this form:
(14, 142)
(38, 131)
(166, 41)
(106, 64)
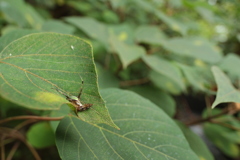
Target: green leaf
(196, 143)
(215, 133)
(194, 47)
(226, 139)
(229, 63)
(226, 92)
(206, 13)
(81, 6)
(58, 27)
(32, 65)
(123, 32)
(91, 27)
(164, 83)
(105, 78)
(160, 98)
(21, 13)
(165, 68)
(171, 22)
(198, 78)
(174, 24)
(146, 133)
(41, 135)
(127, 53)
(13, 35)
(149, 34)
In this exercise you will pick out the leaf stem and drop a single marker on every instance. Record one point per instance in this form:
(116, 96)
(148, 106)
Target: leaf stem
(207, 119)
(31, 117)
(231, 109)
(134, 82)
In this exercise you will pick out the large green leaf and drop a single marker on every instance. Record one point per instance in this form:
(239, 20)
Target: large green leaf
(226, 92)
(146, 133)
(13, 35)
(159, 97)
(32, 65)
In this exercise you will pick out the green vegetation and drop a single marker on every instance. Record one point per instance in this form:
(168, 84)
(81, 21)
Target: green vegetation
(151, 69)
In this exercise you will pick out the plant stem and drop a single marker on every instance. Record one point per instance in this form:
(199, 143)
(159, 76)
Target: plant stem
(31, 117)
(207, 119)
(13, 150)
(12, 133)
(2, 148)
(134, 82)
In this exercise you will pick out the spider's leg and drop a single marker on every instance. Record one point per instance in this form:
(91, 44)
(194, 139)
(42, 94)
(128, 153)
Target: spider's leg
(79, 95)
(61, 92)
(76, 112)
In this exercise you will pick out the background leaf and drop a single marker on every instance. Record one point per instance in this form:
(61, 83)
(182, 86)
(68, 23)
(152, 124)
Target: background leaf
(31, 66)
(146, 133)
(58, 27)
(105, 78)
(194, 47)
(228, 64)
(165, 83)
(127, 53)
(160, 98)
(13, 35)
(226, 92)
(149, 34)
(91, 27)
(21, 13)
(196, 143)
(226, 139)
(165, 68)
(41, 135)
(199, 78)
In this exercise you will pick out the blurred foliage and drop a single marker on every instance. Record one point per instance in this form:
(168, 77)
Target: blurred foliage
(160, 49)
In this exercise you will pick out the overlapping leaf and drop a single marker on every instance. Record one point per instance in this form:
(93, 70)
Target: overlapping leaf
(91, 27)
(13, 35)
(32, 65)
(165, 68)
(21, 13)
(226, 92)
(127, 53)
(146, 133)
(159, 97)
(58, 27)
(196, 143)
(149, 34)
(194, 47)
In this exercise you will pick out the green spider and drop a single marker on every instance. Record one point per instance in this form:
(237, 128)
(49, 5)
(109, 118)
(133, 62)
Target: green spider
(76, 101)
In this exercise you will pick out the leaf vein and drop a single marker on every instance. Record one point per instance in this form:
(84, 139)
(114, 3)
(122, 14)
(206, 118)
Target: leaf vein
(110, 145)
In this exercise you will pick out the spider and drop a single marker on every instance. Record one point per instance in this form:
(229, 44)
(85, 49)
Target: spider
(76, 101)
